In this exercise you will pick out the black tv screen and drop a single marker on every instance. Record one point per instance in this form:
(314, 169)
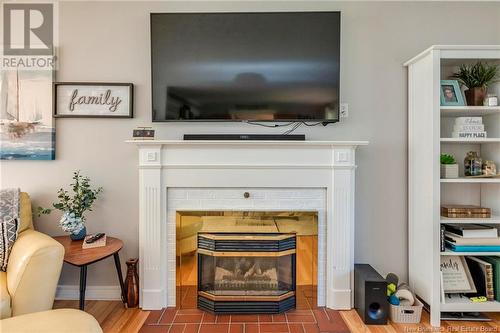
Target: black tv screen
(245, 66)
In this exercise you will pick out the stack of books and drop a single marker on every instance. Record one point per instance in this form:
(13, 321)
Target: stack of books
(470, 237)
(469, 128)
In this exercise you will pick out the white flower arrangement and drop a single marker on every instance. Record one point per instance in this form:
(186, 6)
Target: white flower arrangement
(71, 223)
(74, 206)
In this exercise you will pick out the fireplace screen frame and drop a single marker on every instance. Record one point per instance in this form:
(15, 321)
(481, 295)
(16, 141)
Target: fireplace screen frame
(249, 245)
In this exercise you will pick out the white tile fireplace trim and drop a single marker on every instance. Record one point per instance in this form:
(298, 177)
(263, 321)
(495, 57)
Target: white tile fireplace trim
(165, 164)
(261, 199)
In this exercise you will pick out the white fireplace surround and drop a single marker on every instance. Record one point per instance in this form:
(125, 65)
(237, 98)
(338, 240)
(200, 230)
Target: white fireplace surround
(213, 175)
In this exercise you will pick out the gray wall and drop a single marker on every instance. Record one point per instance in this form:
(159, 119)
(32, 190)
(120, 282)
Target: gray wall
(109, 41)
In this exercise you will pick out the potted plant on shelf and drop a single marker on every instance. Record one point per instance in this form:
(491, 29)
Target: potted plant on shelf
(476, 78)
(449, 167)
(74, 207)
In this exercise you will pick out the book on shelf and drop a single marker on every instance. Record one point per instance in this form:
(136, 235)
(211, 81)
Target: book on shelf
(482, 274)
(472, 248)
(442, 243)
(495, 263)
(472, 230)
(469, 135)
(468, 120)
(468, 128)
(459, 240)
(465, 211)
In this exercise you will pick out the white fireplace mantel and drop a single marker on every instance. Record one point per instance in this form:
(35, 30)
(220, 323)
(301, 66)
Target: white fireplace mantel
(250, 165)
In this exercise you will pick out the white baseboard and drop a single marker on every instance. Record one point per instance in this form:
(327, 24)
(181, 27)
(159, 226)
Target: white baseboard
(107, 293)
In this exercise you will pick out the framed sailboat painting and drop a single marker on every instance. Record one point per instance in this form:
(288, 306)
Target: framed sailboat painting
(26, 123)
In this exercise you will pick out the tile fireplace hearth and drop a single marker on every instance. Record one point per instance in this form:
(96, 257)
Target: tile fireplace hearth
(246, 176)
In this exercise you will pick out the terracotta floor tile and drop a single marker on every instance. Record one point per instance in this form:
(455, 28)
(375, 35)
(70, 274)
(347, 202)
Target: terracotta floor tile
(190, 311)
(154, 329)
(177, 328)
(320, 315)
(191, 328)
(265, 318)
(154, 317)
(311, 328)
(209, 318)
(273, 328)
(299, 312)
(302, 305)
(251, 328)
(296, 328)
(298, 318)
(223, 319)
(244, 318)
(236, 328)
(189, 303)
(188, 318)
(168, 316)
(214, 328)
(279, 318)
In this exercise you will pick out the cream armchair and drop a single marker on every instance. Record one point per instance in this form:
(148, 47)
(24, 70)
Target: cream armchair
(35, 263)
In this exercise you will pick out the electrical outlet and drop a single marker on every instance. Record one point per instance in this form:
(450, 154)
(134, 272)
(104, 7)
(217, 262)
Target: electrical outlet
(344, 110)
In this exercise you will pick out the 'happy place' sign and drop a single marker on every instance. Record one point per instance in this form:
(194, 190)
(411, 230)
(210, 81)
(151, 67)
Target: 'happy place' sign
(114, 100)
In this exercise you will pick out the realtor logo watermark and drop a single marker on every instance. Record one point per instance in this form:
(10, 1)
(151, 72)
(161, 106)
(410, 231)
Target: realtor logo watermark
(29, 35)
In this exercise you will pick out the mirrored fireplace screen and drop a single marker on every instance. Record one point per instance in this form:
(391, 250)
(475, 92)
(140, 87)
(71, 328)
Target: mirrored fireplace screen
(243, 276)
(246, 275)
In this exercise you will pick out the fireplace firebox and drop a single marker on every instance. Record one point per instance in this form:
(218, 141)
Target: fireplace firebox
(246, 273)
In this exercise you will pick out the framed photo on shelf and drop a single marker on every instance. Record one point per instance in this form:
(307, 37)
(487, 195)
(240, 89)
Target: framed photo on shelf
(456, 277)
(93, 100)
(451, 95)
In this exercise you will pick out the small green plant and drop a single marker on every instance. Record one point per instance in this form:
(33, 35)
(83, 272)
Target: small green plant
(478, 75)
(74, 206)
(447, 159)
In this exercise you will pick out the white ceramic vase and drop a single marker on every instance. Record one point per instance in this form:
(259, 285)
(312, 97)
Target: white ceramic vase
(449, 170)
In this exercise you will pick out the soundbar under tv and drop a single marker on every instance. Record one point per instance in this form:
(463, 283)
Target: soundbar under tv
(265, 67)
(247, 137)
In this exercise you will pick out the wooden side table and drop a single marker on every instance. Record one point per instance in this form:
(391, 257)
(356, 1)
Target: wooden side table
(76, 256)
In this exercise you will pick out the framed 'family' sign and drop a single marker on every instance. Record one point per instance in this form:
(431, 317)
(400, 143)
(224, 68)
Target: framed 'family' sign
(88, 99)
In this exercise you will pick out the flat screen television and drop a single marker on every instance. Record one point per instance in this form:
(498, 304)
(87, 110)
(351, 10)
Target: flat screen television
(279, 66)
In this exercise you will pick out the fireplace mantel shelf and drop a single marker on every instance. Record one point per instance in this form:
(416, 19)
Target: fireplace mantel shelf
(272, 167)
(249, 142)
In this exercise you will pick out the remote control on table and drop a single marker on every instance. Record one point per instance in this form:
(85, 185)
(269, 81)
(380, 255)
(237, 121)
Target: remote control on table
(95, 237)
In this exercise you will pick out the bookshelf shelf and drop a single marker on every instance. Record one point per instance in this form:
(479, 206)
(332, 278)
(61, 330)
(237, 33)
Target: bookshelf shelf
(470, 141)
(430, 133)
(471, 180)
(468, 111)
(451, 253)
(471, 307)
(491, 220)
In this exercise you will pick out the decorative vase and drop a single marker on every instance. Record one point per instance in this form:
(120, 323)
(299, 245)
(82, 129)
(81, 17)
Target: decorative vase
(449, 170)
(475, 96)
(473, 164)
(132, 283)
(79, 235)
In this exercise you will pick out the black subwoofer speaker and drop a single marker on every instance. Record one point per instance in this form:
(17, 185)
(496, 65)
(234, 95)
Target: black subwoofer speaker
(370, 295)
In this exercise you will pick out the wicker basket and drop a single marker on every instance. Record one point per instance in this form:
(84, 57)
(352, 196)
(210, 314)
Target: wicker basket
(409, 314)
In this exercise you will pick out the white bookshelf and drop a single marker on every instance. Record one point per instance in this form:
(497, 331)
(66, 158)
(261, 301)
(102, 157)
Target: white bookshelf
(471, 307)
(430, 128)
(471, 180)
(471, 141)
(467, 111)
(451, 253)
(492, 220)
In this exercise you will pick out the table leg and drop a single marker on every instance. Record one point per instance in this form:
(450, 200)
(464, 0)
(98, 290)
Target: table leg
(83, 285)
(120, 277)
